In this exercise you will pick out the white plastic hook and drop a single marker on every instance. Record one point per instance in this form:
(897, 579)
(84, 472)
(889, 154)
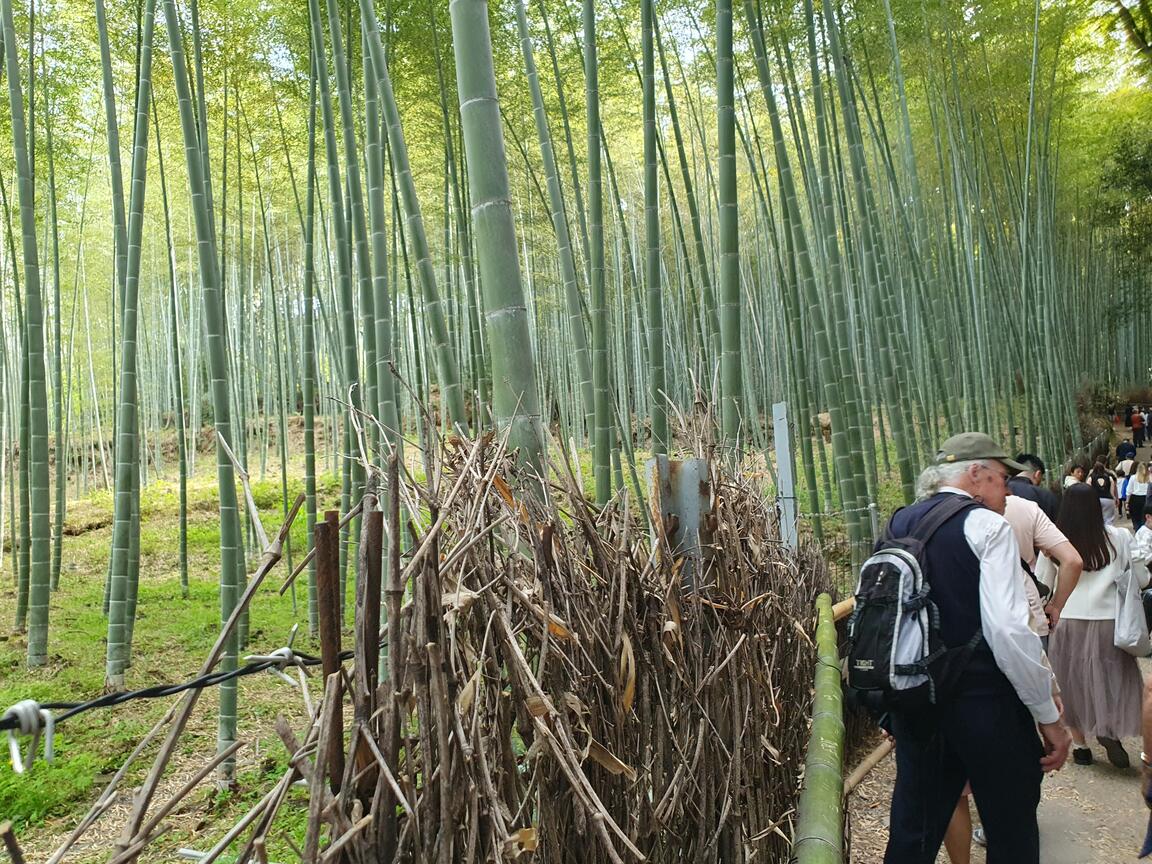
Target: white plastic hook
(34, 721)
(281, 657)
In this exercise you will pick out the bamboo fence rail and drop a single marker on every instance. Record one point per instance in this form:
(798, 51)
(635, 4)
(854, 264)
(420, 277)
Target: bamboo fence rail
(820, 812)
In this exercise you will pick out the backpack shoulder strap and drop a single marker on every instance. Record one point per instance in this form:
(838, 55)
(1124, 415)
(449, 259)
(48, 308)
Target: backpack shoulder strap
(940, 514)
(889, 535)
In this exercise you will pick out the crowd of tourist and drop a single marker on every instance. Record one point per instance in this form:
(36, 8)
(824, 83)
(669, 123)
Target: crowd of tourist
(1034, 581)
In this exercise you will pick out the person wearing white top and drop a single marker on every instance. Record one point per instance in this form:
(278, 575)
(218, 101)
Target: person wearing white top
(1142, 547)
(1036, 533)
(984, 727)
(1142, 544)
(1101, 684)
(1138, 495)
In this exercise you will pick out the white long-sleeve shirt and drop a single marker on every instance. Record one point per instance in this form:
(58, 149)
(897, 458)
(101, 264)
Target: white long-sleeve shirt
(1004, 610)
(1094, 598)
(1142, 551)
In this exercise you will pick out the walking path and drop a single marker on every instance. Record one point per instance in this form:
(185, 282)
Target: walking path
(1088, 814)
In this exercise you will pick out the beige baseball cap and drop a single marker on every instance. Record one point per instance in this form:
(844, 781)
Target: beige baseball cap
(968, 446)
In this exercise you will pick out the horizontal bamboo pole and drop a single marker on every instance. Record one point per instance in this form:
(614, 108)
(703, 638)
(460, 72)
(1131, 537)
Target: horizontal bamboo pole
(843, 609)
(820, 813)
(865, 767)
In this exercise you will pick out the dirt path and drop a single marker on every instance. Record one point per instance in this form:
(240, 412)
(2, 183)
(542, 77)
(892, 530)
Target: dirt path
(1088, 815)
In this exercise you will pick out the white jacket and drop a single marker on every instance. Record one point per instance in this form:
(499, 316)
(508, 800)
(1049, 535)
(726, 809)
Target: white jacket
(1094, 598)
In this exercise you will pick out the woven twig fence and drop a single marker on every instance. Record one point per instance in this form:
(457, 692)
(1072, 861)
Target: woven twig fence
(548, 689)
(552, 688)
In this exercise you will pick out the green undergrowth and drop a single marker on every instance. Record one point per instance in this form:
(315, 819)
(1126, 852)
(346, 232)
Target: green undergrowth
(173, 634)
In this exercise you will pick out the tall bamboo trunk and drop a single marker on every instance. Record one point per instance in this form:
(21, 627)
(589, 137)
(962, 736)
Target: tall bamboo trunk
(39, 522)
(732, 382)
(514, 394)
(598, 296)
(446, 362)
(231, 554)
(125, 506)
(559, 214)
(657, 383)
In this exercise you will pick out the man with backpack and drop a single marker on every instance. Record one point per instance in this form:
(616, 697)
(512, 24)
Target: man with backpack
(969, 708)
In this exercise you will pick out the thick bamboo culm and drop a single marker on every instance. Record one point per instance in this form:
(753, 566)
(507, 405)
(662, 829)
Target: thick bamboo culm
(820, 813)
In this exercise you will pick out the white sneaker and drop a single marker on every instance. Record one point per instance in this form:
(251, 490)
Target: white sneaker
(978, 837)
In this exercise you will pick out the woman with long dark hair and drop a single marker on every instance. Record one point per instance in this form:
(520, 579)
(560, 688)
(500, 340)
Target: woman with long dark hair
(1104, 485)
(1101, 685)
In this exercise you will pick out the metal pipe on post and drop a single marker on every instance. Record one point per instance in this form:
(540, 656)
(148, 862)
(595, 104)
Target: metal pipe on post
(785, 473)
(680, 498)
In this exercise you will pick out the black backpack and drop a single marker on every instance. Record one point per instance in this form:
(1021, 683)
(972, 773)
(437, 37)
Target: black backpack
(897, 659)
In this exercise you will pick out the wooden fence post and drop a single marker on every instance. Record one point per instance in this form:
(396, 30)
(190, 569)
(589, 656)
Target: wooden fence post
(327, 541)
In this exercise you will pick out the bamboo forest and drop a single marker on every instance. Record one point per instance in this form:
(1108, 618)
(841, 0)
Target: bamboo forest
(505, 381)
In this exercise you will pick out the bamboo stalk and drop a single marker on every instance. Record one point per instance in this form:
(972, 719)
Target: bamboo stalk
(819, 820)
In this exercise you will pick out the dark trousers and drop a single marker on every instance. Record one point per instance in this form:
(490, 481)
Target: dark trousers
(988, 741)
(1138, 437)
(1136, 505)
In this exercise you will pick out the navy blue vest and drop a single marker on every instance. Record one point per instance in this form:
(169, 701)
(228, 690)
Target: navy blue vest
(953, 571)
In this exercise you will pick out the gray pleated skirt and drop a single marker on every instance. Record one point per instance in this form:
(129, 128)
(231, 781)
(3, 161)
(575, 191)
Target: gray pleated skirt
(1101, 685)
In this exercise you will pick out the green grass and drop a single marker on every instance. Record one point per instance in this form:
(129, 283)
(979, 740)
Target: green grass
(172, 636)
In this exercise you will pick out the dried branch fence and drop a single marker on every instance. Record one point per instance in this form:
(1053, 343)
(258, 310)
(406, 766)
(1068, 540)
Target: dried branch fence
(543, 684)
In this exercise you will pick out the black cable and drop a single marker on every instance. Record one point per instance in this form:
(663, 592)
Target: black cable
(158, 691)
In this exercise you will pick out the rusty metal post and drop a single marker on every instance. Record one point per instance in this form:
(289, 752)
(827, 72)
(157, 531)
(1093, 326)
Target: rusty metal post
(368, 585)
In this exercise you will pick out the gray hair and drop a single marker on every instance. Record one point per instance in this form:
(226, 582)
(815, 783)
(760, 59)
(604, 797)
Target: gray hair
(934, 477)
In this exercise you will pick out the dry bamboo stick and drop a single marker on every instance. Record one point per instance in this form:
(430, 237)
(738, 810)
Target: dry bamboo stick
(331, 853)
(843, 609)
(144, 797)
(144, 833)
(869, 762)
